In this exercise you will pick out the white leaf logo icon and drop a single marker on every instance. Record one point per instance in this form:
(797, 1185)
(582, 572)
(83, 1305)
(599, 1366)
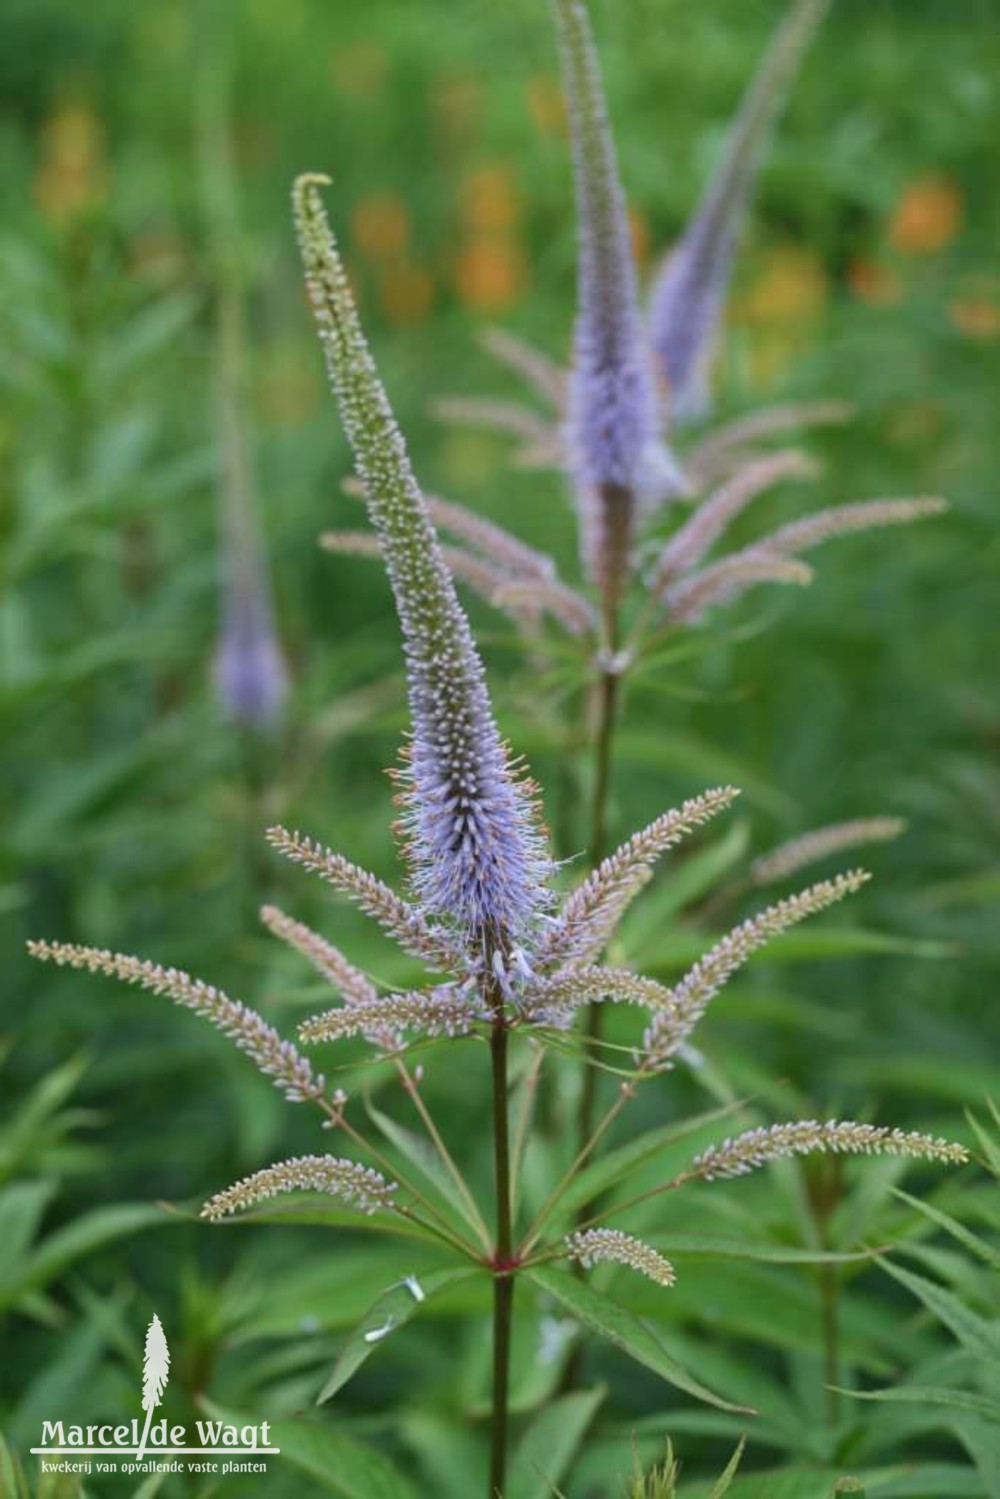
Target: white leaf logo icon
(155, 1371)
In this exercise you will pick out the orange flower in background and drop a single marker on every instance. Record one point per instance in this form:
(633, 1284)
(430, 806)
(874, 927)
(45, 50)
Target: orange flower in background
(380, 226)
(289, 391)
(976, 312)
(73, 172)
(406, 293)
(360, 70)
(782, 308)
(640, 236)
(546, 104)
(457, 103)
(927, 217)
(874, 282)
(490, 274)
(490, 200)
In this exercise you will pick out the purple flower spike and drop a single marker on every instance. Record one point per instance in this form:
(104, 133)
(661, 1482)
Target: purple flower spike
(250, 676)
(476, 847)
(613, 437)
(691, 287)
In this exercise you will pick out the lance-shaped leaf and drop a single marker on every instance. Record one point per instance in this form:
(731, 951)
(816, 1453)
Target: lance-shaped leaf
(615, 451)
(476, 848)
(593, 910)
(362, 1186)
(390, 1311)
(788, 858)
(701, 531)
(673, 1023)
(274, 1056)
(691, 287)
(625, 1331)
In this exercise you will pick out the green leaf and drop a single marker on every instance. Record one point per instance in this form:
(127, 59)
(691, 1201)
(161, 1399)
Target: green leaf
(22, 1205)
(717, 1246)
(342, 1465)
(980, 1338)
(421, 1154)
(977, 1246)
(616, 1165)
(729, 1473)
(549, 1445)
(392, 1309)
(85, 1235)
(966, 1400)
(620, 1327)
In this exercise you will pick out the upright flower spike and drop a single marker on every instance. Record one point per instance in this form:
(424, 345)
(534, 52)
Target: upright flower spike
(615, 450)
(691, 287)
(476, 848)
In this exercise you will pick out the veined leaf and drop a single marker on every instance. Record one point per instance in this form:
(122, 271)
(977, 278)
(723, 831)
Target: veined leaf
(966, 1400)
(390, 1311)
(549, 1445)
(620, 1327)
(342, 1465)
(980, 1338)
(976, 1245)
(420, 1153)
(616, 1165)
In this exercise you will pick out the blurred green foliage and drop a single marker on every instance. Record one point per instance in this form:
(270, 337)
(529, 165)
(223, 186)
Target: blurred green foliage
(132, 812)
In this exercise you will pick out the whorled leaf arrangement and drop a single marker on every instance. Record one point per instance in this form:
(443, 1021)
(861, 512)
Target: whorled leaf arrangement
(502, 957)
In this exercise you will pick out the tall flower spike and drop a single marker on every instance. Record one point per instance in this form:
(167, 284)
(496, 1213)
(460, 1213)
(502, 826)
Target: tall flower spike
(691, 287)
(673, 1023)
(615, 449)
(362, 1186)
(476, 848)
(593, 910)
(274, 1056)
(744, 1153)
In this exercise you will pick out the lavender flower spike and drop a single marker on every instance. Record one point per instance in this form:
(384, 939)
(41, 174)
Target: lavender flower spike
(250, 675)
(691, 286)
(476, 847)
(613, 437)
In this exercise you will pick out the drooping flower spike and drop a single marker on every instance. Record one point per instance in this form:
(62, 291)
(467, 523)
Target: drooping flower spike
(690, 290)
(476, 848)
